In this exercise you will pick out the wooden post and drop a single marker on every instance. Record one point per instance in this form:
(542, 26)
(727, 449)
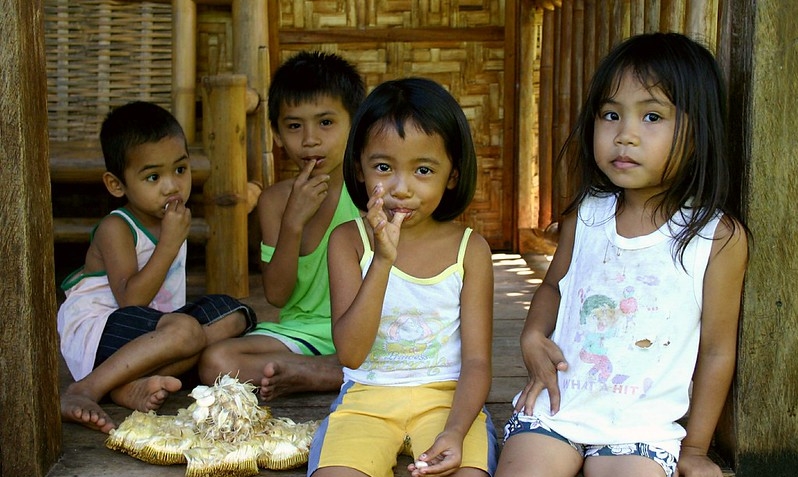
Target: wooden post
(527, 198)
(577, 60)
(563, 103)
(637, 13)
(672, 15)
(184, 65)
(763, 81)
(546, 121)
(590, 43)
(701, 22)
(652, 11)
(30, 437)
(250, 38)
(268, 146)
(620, 22)
(602, 29)
(225, 192)
(250, 34)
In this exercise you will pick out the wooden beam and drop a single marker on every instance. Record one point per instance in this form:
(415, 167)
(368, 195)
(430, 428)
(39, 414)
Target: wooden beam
(392, 35)
(762, 85)
(78, 230)
(83, 163)
(30, 437)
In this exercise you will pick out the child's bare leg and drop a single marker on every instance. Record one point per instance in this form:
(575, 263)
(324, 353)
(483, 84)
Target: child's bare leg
(622, 466)
(230, 326)
(83, 410)
(128, 374)
(152, 391)
(267, 362)
(243, 357)
(287, 372)
(536, 455)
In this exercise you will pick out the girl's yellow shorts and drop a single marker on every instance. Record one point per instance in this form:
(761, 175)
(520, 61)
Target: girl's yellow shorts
(369, 426)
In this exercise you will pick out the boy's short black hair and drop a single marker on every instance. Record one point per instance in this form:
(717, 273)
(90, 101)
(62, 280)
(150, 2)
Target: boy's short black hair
(310, 74)
(131, 125)
(427, 105)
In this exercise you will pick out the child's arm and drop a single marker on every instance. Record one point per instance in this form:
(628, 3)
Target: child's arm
(117, 252)
(718, 346)
(282, 223)
(356, 303)
(542, 357)
(476, 334)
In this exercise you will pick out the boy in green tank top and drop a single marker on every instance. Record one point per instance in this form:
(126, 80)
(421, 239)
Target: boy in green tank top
(312, 99)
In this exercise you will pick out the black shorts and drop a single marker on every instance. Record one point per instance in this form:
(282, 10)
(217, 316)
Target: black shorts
(128, 323)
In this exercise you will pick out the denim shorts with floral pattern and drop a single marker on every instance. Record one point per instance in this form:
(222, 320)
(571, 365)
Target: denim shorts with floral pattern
(520, 423)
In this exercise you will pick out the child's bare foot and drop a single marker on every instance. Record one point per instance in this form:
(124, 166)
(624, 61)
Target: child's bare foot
(81, 409)
(147, 393)
(292, 373)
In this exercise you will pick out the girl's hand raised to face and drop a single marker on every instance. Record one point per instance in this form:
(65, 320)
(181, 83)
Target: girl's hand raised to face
(386, 233)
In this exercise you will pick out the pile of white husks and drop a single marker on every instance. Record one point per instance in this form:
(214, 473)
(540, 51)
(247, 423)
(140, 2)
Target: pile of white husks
(224, 432)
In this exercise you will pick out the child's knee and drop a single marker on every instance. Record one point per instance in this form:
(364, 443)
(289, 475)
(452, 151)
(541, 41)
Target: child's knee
(214, 360)
(184, 330)
(230, 326)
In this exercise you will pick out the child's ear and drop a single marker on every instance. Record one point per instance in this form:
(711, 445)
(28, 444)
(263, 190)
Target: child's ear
(454, 176)
(277, 139)
(114, 185)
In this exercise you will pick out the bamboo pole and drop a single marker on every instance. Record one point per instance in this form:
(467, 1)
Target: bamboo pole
(250, 34)
(702, 21)
(577, 59)
(546, 120)
(602, 29)
(637, 12)
(563, 98)
(225, 192)
(653, 10)
(672, 15)
(184, 65)
(527, 199)
(273, 35)
(268, 146)
(620, 21)
(590, 43)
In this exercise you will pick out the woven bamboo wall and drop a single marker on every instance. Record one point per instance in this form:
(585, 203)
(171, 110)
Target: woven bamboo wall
(458, 44)
(390, 14)
(101, 54)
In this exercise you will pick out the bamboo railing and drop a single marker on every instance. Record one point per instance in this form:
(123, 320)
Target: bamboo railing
(143, 50)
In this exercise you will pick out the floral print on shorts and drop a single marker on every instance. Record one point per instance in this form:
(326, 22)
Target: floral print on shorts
(521, 423)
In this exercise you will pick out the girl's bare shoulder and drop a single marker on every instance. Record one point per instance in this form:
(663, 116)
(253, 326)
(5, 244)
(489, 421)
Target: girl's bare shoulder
(731, 240)
(276, 194)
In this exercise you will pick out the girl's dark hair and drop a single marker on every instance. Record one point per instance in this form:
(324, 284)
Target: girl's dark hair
(132, 125)
(687, 73)
(310, 74)
(427, 105)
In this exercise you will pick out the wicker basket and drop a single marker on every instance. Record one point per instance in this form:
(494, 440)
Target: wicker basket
(102, 54)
